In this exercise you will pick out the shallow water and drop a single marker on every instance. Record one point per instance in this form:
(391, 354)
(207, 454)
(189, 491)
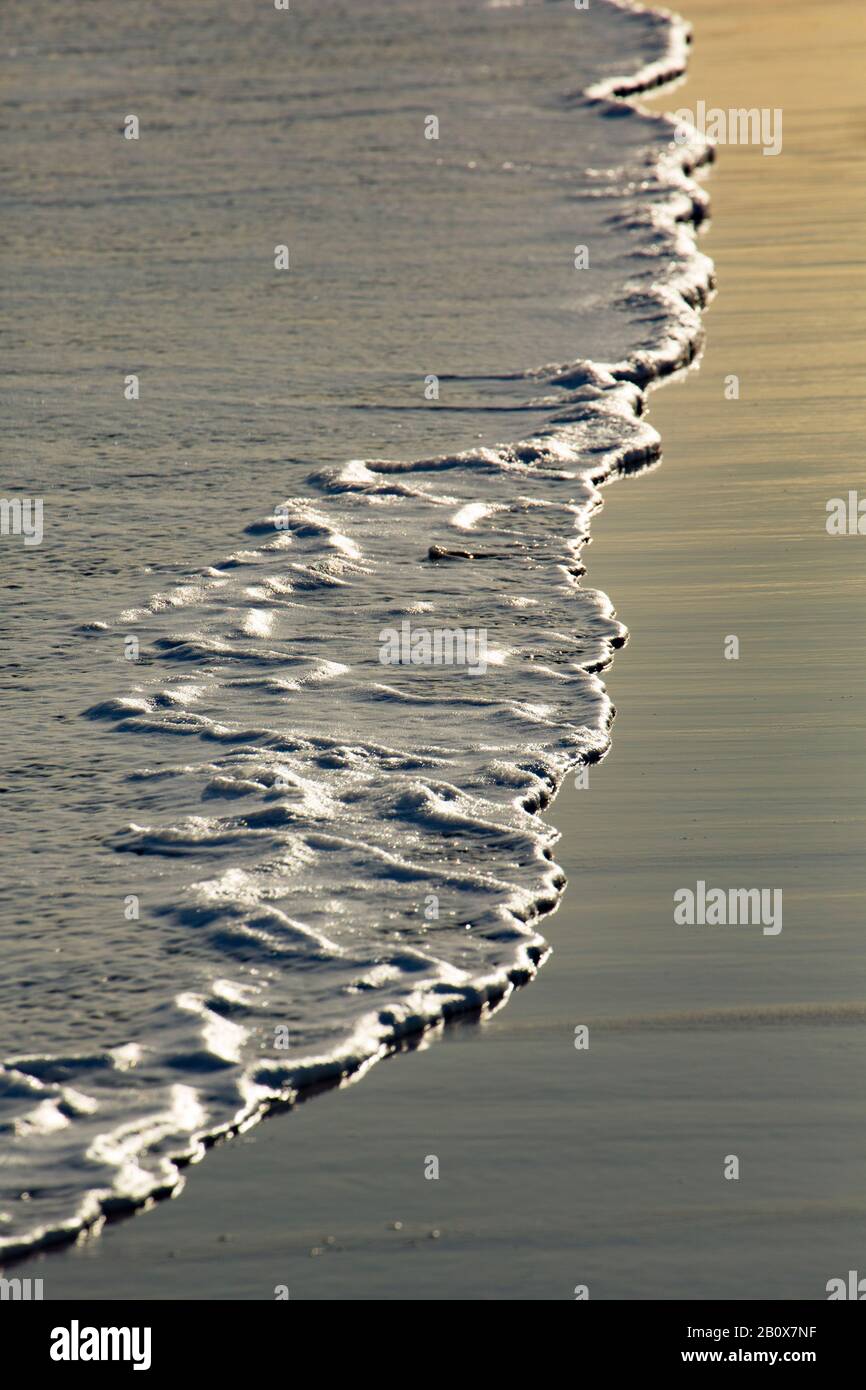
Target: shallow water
(312, 840)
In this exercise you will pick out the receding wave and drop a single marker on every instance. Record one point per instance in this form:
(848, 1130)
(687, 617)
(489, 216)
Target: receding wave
(345, 845)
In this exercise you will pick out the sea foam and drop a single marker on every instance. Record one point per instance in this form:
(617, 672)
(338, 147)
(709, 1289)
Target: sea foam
(332, 854)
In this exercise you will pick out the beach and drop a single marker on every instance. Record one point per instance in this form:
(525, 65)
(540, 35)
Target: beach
(600, 1170)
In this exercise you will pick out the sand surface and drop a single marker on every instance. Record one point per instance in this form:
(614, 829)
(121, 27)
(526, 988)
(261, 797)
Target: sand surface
(605, 1167)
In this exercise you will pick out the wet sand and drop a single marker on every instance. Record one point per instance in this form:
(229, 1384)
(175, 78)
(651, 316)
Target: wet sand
(605, 1167)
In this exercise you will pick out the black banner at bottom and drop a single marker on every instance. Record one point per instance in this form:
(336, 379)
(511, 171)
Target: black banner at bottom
(81, 1339)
